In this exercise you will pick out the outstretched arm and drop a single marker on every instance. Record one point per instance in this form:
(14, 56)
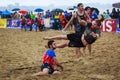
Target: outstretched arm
(58, 37)
(69, 22)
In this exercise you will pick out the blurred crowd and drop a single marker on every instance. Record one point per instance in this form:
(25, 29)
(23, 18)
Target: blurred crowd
(58, 20)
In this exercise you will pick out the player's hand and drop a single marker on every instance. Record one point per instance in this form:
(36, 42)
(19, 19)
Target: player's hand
(61, 68)
(93, 34)
(82, 22)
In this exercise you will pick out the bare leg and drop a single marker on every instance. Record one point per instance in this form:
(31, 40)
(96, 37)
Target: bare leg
(25, 27)
(56, 72)
(36, 28)
(21, 27)
(84, 51)
(44, 72)
(89, 48)
(59, 37)
(77, 51)
(62, 45)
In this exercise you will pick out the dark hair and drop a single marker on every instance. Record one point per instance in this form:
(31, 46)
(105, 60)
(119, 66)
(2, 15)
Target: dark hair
(79, 4)
(50, 43)
(102, 18)
(86, 8)
(98, 21)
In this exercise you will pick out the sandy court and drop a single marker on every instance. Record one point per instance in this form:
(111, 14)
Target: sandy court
(21, 52)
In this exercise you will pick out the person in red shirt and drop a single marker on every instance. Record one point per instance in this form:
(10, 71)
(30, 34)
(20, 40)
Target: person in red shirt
(63, 20)
(30, 23)
(23, 23)
(49, 61)
(39, 23)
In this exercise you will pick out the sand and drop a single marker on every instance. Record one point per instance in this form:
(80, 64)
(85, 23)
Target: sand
(21, 53)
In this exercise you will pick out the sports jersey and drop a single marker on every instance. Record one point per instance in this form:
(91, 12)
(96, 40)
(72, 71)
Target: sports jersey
(87, 33)
(48, 57)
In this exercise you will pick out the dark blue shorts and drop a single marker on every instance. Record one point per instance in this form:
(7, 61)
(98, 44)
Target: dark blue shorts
(46, 65)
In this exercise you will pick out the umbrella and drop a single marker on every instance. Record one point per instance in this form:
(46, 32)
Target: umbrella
(22, 11)
(38, 10)
(58, 10)
(116, 5)
(15, 9)
(6, 12)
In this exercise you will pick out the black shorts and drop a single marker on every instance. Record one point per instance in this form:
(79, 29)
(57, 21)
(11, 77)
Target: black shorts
(75, 40)
(90, 39)
(46, 65)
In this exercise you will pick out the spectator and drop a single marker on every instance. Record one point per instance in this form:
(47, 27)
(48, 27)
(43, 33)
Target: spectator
(94, 15)
(30, 23)
(113, 14)
(23, 23)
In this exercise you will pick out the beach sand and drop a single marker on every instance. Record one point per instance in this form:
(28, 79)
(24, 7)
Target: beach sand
(21, 53)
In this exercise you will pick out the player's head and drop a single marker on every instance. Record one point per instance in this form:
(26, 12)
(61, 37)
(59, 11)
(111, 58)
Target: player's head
(96, 23)
(80, 6)
(51, 44)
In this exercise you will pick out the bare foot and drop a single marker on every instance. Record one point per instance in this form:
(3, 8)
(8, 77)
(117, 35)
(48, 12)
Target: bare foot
(33, 75)
(45, 38)
(63, 31)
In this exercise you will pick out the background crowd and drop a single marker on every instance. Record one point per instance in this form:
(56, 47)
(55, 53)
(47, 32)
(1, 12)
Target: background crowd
(56, 19)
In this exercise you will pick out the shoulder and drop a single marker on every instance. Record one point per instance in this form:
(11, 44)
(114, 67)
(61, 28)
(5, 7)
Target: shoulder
(51, 53)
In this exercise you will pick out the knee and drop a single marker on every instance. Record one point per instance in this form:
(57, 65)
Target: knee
(66, 44)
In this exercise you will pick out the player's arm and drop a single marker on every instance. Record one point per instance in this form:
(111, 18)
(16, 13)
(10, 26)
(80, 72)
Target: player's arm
(69, 22)
(57, 63)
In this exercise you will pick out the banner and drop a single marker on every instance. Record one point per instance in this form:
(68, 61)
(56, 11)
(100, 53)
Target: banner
(13, 24)
(117, 26)
(3, 23)
(109, 25)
